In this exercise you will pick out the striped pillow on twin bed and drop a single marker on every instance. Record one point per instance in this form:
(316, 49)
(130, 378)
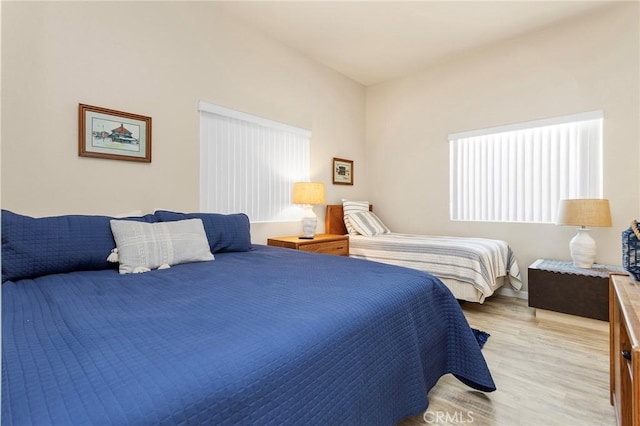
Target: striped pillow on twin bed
(367, 223)
(349, 207)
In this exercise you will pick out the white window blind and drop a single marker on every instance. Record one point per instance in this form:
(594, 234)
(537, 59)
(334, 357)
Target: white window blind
(519, 173)
(248, 164)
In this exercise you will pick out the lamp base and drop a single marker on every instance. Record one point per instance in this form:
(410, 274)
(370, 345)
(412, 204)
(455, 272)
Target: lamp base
(309, 222)
(583, 249)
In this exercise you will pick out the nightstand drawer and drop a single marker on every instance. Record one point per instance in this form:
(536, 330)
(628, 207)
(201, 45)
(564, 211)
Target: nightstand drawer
(322, 243)
(339, 248)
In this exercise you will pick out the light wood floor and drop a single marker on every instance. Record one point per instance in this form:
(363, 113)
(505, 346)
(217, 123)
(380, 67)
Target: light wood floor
(547, 372)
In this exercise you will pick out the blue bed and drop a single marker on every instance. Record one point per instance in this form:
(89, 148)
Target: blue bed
(265, 336)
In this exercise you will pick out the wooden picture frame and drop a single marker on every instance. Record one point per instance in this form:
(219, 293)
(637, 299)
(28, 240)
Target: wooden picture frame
(115, 135)
(342, 171)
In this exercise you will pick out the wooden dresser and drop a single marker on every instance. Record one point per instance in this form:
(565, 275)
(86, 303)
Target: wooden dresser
(624, 346)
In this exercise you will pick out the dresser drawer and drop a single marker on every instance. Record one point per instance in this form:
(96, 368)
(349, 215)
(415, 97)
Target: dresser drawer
(339, 248)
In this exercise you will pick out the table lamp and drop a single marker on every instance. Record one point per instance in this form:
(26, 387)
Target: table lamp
(308, 193)
(583, 213)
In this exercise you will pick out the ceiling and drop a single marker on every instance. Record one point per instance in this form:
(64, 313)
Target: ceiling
(373, 41)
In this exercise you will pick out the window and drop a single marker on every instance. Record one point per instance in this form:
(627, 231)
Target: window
(249, 164)
(519, 173)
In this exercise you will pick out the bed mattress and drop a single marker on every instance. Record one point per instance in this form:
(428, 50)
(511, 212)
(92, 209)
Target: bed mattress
(478, 262)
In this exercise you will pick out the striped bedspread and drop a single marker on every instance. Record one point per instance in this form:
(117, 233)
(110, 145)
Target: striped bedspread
(477, 261)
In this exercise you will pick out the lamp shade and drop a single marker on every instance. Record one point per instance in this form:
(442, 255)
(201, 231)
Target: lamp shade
(584, 212)
(308, 193)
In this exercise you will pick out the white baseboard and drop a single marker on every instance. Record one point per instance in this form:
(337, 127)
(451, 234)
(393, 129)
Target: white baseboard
(509, 292)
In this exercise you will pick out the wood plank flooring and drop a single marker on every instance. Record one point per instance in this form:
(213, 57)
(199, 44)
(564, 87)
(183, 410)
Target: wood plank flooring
(548, 372)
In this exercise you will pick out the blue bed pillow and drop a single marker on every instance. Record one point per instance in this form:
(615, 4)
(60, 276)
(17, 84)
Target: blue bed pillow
(32, 247)
(225, 232)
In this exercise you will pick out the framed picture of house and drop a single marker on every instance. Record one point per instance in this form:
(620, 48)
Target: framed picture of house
(342, 171)
(116, 135)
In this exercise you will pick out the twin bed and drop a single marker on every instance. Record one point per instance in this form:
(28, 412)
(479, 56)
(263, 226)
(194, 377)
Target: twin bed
(472, 268)
(259, 335)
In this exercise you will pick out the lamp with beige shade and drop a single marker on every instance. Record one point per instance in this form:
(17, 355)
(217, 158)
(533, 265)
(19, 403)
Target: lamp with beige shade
(308, 193)
(583, 213)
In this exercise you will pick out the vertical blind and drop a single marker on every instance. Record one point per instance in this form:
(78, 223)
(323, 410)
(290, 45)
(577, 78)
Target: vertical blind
(518, 173)
(248, 164)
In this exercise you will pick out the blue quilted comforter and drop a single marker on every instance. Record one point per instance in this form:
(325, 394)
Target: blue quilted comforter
(270, 336)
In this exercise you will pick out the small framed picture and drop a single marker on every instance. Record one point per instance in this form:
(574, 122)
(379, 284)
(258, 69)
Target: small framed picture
(342, 171)
(116, 135)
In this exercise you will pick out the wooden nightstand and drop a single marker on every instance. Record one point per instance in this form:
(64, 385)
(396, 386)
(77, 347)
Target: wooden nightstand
(559, 286)
(322, 243)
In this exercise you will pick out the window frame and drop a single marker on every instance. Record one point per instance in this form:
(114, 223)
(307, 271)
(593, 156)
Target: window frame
(496, 158)
(267, 192)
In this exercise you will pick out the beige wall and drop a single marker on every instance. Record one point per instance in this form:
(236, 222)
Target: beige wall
(588, 64)
(159, 59)
(155, 59)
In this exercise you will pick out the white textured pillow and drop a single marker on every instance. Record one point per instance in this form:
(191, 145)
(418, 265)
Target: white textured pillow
(349, 207)
(145, 246)
(367, 223)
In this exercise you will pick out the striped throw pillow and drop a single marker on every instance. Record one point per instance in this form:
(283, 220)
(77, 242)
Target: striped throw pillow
(349, 207)
(367, 223)
(145, 246)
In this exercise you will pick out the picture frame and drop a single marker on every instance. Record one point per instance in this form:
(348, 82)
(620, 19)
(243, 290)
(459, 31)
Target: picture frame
(342, 171)
(115, 135)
